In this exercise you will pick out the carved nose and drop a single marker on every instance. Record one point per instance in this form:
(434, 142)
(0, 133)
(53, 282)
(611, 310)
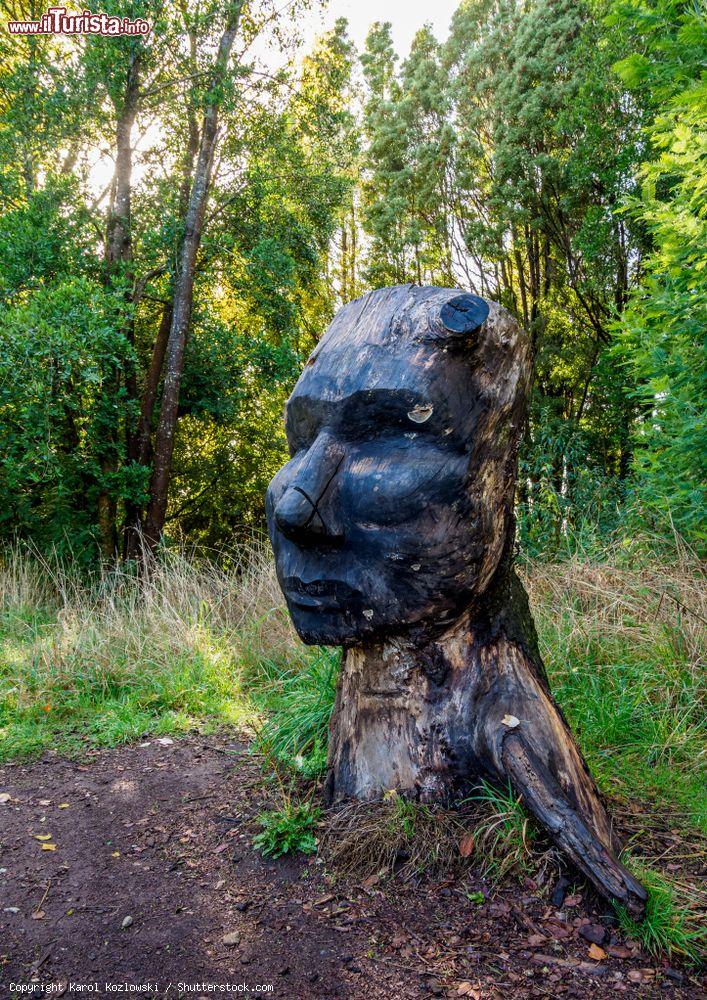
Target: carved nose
(296, 513)
(306, 511)
(298, 517)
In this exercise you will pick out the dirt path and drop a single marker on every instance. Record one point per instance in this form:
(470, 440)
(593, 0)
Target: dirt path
(161, 834)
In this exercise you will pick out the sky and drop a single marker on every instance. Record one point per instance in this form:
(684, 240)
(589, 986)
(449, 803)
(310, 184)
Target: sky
(406, 17)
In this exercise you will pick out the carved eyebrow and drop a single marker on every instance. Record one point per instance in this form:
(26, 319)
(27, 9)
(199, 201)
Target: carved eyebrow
(363, 409)
(398, 401)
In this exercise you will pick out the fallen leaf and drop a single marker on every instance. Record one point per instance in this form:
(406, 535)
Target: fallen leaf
(64, 805)
(596, 952)
(38, 915)
(466, 845)
(594, 933)
(535, 940)
(231, 939)
(42, 836)
(619, 951)
(44, 802)
(468, 990)
(572, 900)
(557, 929)
(48, 847)
(635, 975)
(510, 721)
(165, 741)
(4, 797)
(115, 854)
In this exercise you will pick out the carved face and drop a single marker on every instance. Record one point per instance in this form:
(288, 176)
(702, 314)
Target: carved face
(395, 505)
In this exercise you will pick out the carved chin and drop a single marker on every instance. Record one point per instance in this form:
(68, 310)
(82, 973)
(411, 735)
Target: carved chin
(330, 627)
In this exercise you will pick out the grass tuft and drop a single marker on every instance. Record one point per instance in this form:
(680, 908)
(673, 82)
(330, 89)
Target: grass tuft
(505, 839)
(674, 920)
(392, 836)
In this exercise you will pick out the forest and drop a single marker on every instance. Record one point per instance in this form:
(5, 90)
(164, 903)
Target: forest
(182, 213)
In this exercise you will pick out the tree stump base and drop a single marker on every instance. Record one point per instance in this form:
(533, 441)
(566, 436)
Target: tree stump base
(431, 720)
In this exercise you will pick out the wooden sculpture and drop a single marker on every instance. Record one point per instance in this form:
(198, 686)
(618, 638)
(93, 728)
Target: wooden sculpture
(393, 528)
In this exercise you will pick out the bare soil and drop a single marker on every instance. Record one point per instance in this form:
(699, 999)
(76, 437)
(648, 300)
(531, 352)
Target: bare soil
(160, 833)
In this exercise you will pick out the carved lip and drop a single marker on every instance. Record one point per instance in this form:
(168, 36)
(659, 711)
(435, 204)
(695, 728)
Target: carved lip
(318, 594)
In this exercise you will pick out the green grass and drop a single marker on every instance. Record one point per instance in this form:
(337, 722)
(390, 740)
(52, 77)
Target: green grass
(673, 921)
(625, 652)
(102, 662)
(294, 697)
(504, 836)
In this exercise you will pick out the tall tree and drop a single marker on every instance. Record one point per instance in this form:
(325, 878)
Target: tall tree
(184, 283)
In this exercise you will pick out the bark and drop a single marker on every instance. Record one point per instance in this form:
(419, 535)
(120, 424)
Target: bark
(430, 720)
(183, 293)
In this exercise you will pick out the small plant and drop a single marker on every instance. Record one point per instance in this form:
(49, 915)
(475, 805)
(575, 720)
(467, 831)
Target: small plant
(671, 924)
(504, 836)
(403, 815)
(288, 829)
(312, 765)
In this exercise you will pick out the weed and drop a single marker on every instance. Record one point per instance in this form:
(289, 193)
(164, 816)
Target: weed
(288, 829)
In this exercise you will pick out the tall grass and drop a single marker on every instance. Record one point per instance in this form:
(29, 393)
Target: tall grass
(625, 650)
(104, 659)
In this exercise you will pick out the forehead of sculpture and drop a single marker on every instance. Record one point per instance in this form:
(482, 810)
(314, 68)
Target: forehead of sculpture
(445, 316)
(395, 340)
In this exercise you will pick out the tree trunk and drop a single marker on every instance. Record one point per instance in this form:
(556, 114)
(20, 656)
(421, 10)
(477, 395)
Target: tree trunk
(183, 292)
(431, 720)
(118, 255)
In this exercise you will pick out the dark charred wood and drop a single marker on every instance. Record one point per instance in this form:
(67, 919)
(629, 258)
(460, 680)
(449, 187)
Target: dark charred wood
(393, 531)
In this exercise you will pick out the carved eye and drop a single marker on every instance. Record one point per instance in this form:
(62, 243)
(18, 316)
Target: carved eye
(464, 313)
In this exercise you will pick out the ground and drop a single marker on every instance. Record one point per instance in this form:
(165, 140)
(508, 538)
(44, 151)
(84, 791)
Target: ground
(153, 880)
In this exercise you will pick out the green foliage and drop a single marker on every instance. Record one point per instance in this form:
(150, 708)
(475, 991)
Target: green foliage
(568, 501)
(288, 830)
(661, 342)
(59, 348)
